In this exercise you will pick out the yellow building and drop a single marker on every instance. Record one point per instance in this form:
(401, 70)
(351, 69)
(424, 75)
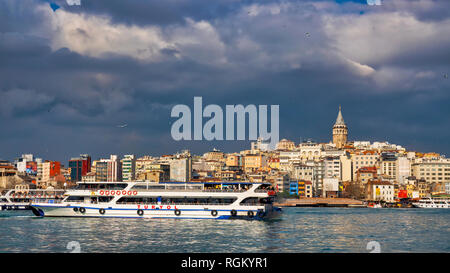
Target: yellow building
(274, 163)
(410, 189)
(253, 162)
(232, 160)
(432, 170)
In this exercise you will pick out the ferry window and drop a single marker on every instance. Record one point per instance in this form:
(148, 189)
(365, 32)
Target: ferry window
(177, 187)
(156, 187)
(75, 198)
(250, 200)
(139, 187)
(197, 201)
(143, 200)
(105, 199)
(116, 186)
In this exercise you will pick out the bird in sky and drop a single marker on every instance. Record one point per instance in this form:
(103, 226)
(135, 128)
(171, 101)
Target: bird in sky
(54, 6)
(122, 126)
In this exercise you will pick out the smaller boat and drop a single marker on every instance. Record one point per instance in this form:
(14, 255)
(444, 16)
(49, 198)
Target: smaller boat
(374, 205)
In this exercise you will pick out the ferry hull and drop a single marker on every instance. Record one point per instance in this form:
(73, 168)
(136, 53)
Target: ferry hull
(181, 212)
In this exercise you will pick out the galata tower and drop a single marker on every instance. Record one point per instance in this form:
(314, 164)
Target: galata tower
(340, 131)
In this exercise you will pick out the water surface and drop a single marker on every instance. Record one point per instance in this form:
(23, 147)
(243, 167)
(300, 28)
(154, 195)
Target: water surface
(296, 230)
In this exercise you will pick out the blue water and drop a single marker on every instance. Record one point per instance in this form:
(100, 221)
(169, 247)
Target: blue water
(295, 230)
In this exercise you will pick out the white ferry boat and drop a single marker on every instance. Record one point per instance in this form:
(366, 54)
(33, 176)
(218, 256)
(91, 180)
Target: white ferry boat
(436, 202)
(200, 200)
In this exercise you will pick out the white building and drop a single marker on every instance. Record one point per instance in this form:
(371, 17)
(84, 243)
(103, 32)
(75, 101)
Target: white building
(333, 167)
(380, 191)
(128, 168)
(330, 185)
(180, 169)
(403, 169)
(21, 163)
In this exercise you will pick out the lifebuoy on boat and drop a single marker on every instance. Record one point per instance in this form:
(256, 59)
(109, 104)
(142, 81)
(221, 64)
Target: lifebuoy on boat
(82, 210)
(214, 212)
(233, 212)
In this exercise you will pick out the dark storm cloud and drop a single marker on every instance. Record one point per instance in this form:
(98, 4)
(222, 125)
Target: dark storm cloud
(60, 99)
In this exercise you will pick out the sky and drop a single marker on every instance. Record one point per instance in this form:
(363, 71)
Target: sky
(70, 76)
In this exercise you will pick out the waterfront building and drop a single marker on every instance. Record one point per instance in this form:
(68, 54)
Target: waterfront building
(143, 164)
(156, 172)
(6, 173)
(108, 170)
(254, 162)
(447, 187)
(346, 168)
(50, 169)
(288, 159)
(403, 169)
(89, 177)
(114, 169)
(233, 160)
(274, 163)
(363, 159)
(388, 165)
(21, 163)
(432, 170)
(313, 171)
(340, 131)
(378, 190)
(101, 171)
(280, 180)
(330, 187)
(128, 168)
(215, 155)
(39, 163)
(366, 174)
(79, 166)
(4, 162)
(301, 188)
(310, 150)
(180, 169)
(333, 167)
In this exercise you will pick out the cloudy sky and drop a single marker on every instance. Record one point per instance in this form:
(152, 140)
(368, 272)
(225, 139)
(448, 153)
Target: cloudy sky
(69, 77)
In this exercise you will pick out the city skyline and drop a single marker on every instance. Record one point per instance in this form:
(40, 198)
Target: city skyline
(339, 121)
(66, 90)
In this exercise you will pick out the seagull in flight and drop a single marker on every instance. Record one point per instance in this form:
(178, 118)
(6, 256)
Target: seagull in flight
(122, 126)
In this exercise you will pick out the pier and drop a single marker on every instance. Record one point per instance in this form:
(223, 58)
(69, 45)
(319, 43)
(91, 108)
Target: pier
(320, 202)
